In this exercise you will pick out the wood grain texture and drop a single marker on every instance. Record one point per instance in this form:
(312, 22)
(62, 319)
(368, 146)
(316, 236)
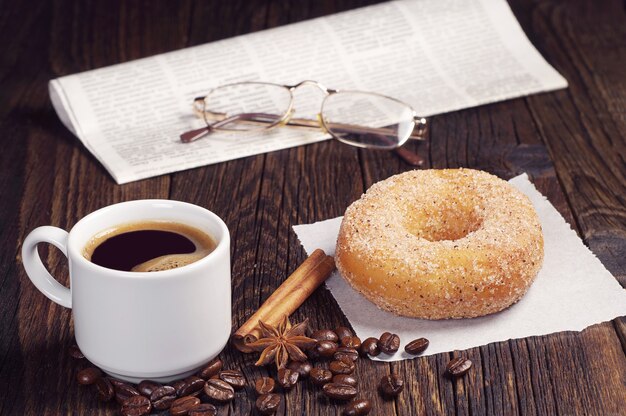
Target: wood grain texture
(572, 143)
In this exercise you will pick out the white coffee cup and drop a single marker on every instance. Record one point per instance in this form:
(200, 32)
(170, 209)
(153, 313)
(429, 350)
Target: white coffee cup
(160, 325)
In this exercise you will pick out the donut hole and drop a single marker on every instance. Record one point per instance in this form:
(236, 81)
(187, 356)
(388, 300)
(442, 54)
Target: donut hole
(441, 220)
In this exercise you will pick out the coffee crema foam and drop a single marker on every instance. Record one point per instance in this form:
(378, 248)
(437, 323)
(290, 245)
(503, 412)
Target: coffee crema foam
(169, 261)
(116, 249)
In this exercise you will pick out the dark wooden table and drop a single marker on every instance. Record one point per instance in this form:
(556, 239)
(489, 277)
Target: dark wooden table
(571, 142)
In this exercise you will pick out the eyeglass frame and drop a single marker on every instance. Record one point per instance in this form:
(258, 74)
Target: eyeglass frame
(418, 132)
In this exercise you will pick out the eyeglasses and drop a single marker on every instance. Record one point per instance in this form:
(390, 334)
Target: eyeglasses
(362, 119)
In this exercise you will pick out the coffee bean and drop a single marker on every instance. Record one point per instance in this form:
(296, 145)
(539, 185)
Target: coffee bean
(348, 379)
(391, 385)
(301, 367)
(343, 331)
(340, 391)
(264, 385)
(146, 387)
(233, 377)
(358, 407)
(104, 389)
(342, 366)
(346, 353)
(136, 406)
(352, 342)
(183, 405)
(369, 347)
(88, 376)
(75, 352)
(267, 403)
(124, 391)
(417, 346)
(458, 366)
(287, 378)
(211, 369)
(389, 343)
(116, 382)
(204, 409)
(326, 349)
(325, 335)
(192, 387)
(219, 390)
(163, 397)
(320, 376)
(178, 384)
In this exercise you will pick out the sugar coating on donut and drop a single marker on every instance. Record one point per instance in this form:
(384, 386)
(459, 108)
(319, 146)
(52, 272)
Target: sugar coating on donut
(436, 244)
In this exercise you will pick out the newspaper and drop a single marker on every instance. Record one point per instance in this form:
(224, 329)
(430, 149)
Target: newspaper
(436, 55)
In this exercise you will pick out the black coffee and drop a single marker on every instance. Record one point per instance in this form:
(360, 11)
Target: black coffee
(148, 246)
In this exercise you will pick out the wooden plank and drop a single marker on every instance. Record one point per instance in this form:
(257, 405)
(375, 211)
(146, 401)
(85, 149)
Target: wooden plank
(583, 126)
(12, 360)
(62, 184)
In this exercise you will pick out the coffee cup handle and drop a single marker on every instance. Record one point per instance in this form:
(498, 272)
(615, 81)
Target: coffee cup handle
(35, 269)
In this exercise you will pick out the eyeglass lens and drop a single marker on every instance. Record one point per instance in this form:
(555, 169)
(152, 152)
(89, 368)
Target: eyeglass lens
(246, 106)
(367, 120)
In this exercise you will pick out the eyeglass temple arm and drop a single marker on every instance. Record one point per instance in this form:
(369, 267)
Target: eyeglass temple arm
(418, 132)
(196, 134)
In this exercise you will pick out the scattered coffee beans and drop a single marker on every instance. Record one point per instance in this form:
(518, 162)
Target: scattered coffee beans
(326, 349)
(267, 403)
(203, 409)
(88, 376)
(339, 391)
(104, 389)
(348, 379)
(342, 332)
(287, 378)
(264, 385)
(389, 343)
(219, 390)
(458, 366)
(192, 387)
(301, 367)
(357, 407)
(233, 377)
(352, 342)
(219, 385)
(325, 335)
(391, 385)
(124, 391)
(213, 368)
(183, 405)
(163, 397)
(417, 346)
(369, 347)
(342, 367)
(75, 352)
(320, 376)
(136, 406)
(346, 353)
(146, 387)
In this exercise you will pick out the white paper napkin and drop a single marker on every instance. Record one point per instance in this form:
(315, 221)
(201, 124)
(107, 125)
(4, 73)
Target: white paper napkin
(572, 291)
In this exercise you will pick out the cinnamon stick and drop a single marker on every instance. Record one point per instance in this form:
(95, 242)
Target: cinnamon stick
(287, 298)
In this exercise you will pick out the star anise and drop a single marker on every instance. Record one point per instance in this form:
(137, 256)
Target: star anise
(282, 343)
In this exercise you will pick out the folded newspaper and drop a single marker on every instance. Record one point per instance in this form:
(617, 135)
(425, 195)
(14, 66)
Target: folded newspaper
(437, 55)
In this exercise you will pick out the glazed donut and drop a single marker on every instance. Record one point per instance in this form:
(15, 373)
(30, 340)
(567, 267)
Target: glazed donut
(437, 244)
